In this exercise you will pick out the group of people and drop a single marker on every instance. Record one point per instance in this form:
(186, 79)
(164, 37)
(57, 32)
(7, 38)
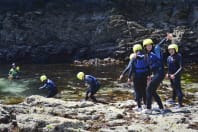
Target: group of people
(147, 69)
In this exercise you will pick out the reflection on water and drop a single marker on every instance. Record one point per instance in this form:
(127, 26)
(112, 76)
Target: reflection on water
(65, 77)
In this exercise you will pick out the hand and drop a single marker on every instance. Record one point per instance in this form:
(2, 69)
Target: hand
(129, 81)
(172, 76)
(120, 78)
(167, 76)
(148, 79)
(169, 36)
(40, 88)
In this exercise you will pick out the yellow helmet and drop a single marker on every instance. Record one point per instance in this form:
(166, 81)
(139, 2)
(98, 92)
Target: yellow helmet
(137, 47)
(80, 75)
(147, 42)
(173, 46)
(17, 68)
(43, 78)
(132, 56)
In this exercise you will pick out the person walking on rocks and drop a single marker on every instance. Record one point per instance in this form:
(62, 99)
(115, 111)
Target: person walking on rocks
(50, 85)
(174, 62)
(155, 61)
(139, 68)
(93, 85)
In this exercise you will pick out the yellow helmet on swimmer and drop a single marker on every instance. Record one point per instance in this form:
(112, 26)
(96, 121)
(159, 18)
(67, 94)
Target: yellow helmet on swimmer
(147, 42)
(137, 47)
(173, 46)
(43, 78)
(80, 75)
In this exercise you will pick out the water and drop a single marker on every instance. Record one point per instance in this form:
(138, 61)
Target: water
(64, 75)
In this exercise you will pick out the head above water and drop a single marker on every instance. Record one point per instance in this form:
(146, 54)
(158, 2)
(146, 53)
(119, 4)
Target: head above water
(80, 75)
(43, 78)
(13, 64)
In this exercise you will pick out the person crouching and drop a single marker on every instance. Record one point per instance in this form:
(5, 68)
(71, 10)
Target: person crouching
(50, 85)
(93, 85)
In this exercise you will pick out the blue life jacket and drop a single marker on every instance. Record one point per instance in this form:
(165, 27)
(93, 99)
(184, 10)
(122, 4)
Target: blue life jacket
(140, 64)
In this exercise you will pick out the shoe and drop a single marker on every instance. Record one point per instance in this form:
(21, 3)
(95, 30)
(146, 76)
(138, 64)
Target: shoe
(178, 107)
(143, 106)
(137, 109)
(162, 111)
(147, 111)
(170, 101)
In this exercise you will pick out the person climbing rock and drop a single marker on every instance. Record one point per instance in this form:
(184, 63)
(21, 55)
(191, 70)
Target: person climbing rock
(93, 85)
(50, 85)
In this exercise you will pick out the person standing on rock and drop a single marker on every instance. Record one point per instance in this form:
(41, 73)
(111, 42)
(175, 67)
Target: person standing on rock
(93, 85)
(139, 68)
(155, 61)
(174, 62)
(50, 85)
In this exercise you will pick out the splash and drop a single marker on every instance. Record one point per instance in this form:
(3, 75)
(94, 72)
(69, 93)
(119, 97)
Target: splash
(13, 87)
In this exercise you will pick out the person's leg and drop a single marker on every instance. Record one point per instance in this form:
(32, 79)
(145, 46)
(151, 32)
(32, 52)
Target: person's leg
(159, 78)
(94, 90)
(154, 84)
(52, 93)
(177, 84)
(87, 93)
(174, 90)
(144, 84)
(149, 95)
(137, 91)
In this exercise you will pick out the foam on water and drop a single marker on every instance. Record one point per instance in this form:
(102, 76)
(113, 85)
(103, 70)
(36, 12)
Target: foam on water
(13, 87)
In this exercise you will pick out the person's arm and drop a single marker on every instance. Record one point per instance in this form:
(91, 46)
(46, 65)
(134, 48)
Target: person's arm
(157, 48)
(127, 68)
(131, 70)
(179, 59)
(44, 86)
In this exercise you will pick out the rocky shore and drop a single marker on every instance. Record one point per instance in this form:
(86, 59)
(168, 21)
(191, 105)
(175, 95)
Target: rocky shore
(40, 114)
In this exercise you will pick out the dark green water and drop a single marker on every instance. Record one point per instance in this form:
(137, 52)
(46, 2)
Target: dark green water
(70, 88)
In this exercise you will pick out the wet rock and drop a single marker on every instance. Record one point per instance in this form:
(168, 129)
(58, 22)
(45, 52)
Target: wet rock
(90, 29)
(98, 62)
(37, 113)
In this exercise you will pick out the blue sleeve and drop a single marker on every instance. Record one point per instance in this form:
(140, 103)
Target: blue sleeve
(157, 49)
(44, 86)
(127, 68)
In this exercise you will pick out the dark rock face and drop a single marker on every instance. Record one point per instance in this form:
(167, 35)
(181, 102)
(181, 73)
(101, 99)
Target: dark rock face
(68, 30)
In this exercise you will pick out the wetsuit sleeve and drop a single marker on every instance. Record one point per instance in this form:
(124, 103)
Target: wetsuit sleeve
(131, 69)
(44, 86)
(157, 48)
(162, 42)
(180, 65)
(168, 65)
(127, 68)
